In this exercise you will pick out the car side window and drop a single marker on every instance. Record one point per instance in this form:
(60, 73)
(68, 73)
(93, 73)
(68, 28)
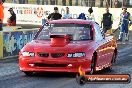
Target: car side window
(98, 34)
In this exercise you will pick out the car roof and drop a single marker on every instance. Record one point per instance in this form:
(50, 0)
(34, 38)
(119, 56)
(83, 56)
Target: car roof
(75, 21)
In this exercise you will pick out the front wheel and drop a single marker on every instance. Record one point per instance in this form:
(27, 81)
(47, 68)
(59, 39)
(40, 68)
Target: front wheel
(81, 80)
(27, 73)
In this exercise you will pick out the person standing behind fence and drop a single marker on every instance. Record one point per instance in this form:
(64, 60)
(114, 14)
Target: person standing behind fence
(90, 14)
(52, 2)
(116, 3)
(125, 17)
(82, 16)
(107, 21)
(38, 2)
(12, 20)
(64, 2)
(67, 15)
(14, 1)
(1, 14)
(55, 15)
(70, 2)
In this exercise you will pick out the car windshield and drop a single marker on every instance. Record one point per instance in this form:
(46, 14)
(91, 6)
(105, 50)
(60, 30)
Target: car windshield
(77, 31)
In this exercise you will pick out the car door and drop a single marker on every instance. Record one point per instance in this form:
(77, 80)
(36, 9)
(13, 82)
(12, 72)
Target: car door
(110, 48)
(102, 45)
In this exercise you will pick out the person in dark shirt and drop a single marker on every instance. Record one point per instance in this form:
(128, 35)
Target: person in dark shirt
(12, 20)
(107, 21)
(55, 16)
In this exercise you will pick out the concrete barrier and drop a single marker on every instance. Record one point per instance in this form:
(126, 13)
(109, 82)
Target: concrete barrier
(13, 40)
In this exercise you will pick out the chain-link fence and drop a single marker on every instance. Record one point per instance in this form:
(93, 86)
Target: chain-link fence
(89, 3)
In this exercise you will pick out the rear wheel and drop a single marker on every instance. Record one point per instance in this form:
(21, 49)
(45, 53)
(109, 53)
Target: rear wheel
(93, 65)
(27, 73)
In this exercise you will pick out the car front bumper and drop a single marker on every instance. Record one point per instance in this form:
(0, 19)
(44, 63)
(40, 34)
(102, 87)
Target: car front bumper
(53, 65)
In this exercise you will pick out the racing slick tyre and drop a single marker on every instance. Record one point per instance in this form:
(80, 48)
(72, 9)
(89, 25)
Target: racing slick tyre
(27, 73)
(93, 64)
(81, 80)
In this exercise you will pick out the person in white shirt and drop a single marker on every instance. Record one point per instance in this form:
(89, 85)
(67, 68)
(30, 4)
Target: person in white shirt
(67, 15)
(90, 14)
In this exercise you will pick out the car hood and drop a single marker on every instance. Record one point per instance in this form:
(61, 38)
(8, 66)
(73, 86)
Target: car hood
(45, 46)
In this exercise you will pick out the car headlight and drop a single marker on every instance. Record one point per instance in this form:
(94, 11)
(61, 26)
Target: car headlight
(29, 54)
(76, 55)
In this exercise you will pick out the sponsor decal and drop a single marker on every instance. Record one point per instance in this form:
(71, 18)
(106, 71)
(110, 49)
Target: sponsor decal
(14, 41)
(82, 78)
(40, 12)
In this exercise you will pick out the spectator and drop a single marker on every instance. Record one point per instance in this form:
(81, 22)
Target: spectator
(101, 3)
(82, 2)
(125, 17)
(44, 2)
(14, 1)
(107, 21)
(67, 15)
(76, 2)
(55, 16)
(38, 2)
(70, 2)
(21, 1)
(1, 25)
(52, 2)
(64, 2)
(108, 3)
(116, 3)
(90, 14)
(1, 14)
(26, 1)
(12, 20)
(56, 2)
(82, 16)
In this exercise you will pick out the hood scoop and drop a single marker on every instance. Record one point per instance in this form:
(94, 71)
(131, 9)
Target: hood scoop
(60, 40)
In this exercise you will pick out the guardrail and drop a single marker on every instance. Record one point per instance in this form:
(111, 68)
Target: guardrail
(12, 40)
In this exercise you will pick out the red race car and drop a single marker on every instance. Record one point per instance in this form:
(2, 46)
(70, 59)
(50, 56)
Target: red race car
(65, 45)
